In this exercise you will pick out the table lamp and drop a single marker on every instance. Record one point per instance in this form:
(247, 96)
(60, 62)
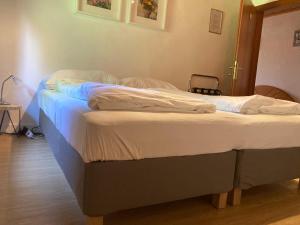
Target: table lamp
(2, 102)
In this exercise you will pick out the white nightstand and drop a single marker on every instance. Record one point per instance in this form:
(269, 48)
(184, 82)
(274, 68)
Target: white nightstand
(6, 111)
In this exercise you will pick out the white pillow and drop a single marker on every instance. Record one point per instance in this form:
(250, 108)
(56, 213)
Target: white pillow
(69, 89)
(138, 82)
(67, 81)
(81, 75)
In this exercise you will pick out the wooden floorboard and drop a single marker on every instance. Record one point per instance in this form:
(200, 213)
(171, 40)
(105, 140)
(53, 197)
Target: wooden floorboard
(33, 191)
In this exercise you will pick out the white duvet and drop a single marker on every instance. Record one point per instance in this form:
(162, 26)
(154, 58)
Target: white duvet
(114, 97)
(255, 104)
(251, 105)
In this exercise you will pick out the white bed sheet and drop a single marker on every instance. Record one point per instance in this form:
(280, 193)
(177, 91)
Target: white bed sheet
(122, 135)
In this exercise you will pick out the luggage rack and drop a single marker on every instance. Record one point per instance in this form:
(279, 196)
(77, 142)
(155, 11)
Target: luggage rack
(204, 84)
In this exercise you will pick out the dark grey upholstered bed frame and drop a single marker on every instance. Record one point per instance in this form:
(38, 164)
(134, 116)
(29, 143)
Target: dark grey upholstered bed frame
(106, 187)
(102, 188)
(259, 167)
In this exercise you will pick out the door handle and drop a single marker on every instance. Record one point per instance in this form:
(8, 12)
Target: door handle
(235, 74)
(235, 69)
(240, 68)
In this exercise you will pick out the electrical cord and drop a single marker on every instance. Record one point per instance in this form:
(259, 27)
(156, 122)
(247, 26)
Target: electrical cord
(32, 133)
(37, 131)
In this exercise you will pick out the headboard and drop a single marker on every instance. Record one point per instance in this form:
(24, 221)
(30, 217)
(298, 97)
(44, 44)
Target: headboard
(273, 92)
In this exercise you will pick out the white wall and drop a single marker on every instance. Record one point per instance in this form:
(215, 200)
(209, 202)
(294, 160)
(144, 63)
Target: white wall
(8, 47)
(262, 2)
(7, 36)
(279, 61)
(52, 37)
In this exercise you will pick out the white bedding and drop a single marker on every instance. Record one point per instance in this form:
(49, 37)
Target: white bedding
(255, 104)
(251, 105)
(122, 135)
(116, 97)
(108, 97)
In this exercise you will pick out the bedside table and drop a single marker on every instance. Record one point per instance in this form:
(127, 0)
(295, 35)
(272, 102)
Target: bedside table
(6, 111)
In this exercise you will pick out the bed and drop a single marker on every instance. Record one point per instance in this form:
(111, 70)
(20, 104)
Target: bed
(266, 166)
(151, 158)
(176, 166)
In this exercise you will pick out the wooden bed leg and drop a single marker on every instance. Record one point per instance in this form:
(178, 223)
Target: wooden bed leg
(235, 197)
(220, 200)
(94, 220)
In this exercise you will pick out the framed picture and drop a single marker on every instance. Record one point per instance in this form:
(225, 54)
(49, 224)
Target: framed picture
(297, 38)
(106, 9)
(147, 13)
(216, 21)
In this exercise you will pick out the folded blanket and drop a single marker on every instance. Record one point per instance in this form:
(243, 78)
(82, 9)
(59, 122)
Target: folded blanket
(255, 104)
(114, 97)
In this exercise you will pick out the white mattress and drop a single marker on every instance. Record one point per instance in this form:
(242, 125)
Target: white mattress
(122, 135)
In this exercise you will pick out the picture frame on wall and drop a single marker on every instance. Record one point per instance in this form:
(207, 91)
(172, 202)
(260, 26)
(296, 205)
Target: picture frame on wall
(104, 9)
(216, 21)
(147, 13)
(297, 38)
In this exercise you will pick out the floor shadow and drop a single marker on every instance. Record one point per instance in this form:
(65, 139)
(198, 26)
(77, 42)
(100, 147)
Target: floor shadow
(32, 112)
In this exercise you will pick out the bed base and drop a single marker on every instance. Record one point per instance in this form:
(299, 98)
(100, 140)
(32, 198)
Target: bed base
(95, 220)
(102, 188)
(259, 167)
(235, 197)
(219, 201)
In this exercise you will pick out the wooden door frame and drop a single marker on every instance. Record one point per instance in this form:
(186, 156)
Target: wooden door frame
(266, 10)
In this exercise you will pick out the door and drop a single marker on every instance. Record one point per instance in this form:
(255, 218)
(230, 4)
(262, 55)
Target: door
(243, 70)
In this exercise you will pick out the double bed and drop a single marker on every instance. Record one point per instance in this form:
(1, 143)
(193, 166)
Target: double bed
(120, 160)
(145, 158)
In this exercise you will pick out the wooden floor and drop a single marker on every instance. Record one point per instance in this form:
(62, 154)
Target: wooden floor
(33, 191)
